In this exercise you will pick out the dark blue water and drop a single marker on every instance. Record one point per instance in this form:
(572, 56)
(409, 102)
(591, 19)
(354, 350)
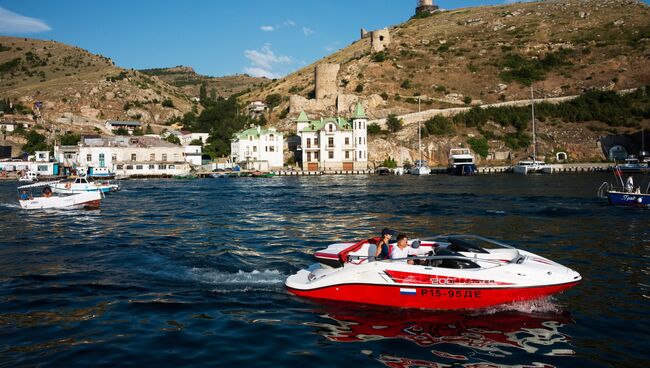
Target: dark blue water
(190, 273)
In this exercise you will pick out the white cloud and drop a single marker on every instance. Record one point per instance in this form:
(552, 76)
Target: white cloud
(308, 32)
(289, 23)
(264, 62)
(11, 22)
(267, 28)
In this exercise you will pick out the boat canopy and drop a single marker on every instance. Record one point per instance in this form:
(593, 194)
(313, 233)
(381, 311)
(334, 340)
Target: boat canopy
(38, 185)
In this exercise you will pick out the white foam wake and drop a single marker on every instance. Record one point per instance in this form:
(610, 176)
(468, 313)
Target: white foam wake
(241, 278)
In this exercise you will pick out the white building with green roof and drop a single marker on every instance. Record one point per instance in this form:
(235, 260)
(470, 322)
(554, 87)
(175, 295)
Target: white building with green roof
(258, 148)
(334, 144)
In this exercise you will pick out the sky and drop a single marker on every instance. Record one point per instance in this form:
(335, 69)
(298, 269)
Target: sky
(268, 38)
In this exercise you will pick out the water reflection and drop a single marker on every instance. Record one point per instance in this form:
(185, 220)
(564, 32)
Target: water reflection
(487, 337)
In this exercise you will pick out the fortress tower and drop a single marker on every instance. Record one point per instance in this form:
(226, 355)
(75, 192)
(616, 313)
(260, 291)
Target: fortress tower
(326, 82)
(425, 6)
(379, 40)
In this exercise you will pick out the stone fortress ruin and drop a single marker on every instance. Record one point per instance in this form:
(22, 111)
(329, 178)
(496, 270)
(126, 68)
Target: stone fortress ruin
(425, 6)
(327, 94)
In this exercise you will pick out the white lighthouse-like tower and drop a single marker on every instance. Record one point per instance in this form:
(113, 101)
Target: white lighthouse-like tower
(360, 129)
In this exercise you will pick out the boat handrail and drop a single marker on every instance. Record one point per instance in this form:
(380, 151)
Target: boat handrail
(428, 258)
(38, 185)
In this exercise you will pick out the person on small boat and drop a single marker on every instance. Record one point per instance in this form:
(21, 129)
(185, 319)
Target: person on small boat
(401, 251)
(24, 196)
(47, 192)
(380, 250)
(629, 185)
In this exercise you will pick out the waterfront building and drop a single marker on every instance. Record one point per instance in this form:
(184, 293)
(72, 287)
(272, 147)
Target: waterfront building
(258, 148)
(130, 126)
(187, 137)
(122, 155)
(334, 143)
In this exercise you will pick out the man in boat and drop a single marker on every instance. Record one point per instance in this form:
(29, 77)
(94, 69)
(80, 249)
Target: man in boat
(380, 250)
(47, 192)
(629, 185)
(401, 251)
(23, 195)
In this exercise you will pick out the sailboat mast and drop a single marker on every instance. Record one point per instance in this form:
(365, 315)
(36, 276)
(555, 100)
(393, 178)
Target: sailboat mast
(532, 98)
(419, 132)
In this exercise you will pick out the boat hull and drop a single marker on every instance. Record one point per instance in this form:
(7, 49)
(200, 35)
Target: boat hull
(422, 297)
(89, 200)
(629, 199)
(462, 170)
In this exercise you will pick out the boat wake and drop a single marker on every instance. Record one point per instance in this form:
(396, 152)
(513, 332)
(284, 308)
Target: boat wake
(255, 280)
(538, 306)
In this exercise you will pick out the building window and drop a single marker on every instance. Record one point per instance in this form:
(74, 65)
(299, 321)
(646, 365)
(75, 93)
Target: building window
(266, 148)
(172, 167)
(331, 154)
(254, 148)
(317, 156)
(308, 142)
(114, 157)
(347, 141)
(138, 167)
(89, 157)
(134, 157)
(308, 156)
(42, 168)
(152, 167)
(164, 157)
(316, 142)
(250, 138)
(129, 167)
(120, 167)
(359, 140)
(359, 154)
(347, 154)
(272, 138)
(175, 157)
(331, 128)
(152, 157)
(162, 167)
(331, 142)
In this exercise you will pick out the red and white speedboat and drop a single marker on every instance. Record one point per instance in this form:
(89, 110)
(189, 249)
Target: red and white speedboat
(450, 272)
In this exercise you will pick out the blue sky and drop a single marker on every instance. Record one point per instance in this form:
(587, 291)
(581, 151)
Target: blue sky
(215, 37)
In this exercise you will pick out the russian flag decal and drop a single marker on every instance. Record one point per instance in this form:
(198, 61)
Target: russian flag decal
(405, 291)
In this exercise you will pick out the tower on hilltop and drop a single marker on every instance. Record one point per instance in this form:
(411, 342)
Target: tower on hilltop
(425, 6)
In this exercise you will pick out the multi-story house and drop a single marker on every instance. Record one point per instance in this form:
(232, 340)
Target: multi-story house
(334, 143)
(258, 148)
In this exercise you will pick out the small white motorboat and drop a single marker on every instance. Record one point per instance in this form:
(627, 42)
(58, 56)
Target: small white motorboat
(27, 200)
(532, 167)
(29, 176)
(82, 184)
(444, 272)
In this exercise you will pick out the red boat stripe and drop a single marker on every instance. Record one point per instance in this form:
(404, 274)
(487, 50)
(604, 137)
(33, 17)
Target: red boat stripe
(436, 297)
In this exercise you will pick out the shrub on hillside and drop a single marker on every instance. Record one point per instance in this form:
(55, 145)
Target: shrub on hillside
(438, 125)
(374, 128)
(479, 145)
(379, 57)
(394, 123)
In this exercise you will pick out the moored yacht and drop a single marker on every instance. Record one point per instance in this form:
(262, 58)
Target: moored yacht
(532, 167)
(461, 162)
(420, 168)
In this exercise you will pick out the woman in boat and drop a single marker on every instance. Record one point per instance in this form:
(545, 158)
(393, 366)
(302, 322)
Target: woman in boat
(47, 192)
(380, 250)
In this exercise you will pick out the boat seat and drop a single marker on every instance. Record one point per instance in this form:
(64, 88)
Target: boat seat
(451, 263)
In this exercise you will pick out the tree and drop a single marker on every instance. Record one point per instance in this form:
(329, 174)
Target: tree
(203, 94)
(70, 139)
(479, 145)
(273, 100)
(35, 142)
(394, 124)
(374, 128)
(389, 163)
(121, 131)
(148, 130)
(174, 139)
(168, 103)
(196, 142)
(438, 125)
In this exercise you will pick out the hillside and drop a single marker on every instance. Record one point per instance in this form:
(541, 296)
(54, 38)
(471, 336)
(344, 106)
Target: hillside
(79, 89)
(190, 82)
(482, 55)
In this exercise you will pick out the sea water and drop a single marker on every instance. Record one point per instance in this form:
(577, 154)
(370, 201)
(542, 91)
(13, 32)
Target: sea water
(190, 273)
